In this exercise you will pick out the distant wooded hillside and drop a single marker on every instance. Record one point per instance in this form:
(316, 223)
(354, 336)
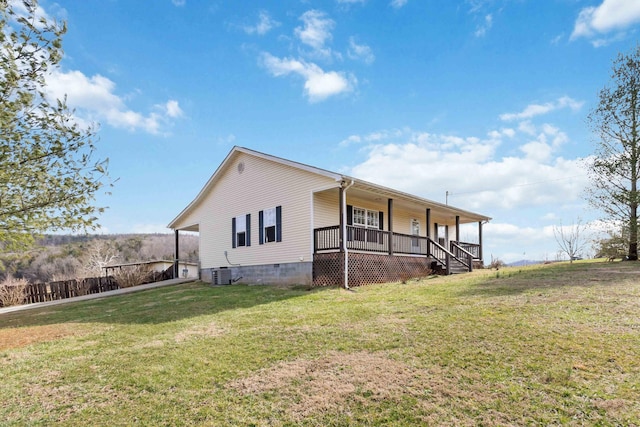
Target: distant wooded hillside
(61, 257)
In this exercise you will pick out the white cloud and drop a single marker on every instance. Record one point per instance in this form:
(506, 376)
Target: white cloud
(481, 31)
(263, 26)
(360, 51)
(318, 85)
(316, 31)
(172, 109)
(427, 164)
(353, 139)
(93, 98)
(397, 4)
(609, 16)
(179, 2)
(534, 110)
(512, 242)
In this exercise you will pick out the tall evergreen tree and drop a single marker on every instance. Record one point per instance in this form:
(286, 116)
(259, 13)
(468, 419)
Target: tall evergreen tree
(615, 169)
(48, 174)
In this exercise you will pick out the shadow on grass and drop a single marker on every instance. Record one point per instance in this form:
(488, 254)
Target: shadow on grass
(156, 306)
(517, 280)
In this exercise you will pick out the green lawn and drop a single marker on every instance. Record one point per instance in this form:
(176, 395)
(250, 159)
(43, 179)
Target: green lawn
(554, 344)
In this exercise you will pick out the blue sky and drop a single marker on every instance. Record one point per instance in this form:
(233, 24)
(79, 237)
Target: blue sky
(485, 99)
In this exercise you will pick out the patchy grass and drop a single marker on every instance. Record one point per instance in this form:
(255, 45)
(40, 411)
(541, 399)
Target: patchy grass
(554, 344)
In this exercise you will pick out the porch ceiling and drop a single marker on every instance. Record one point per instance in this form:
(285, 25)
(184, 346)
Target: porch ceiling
(193, 227)
(405, 201)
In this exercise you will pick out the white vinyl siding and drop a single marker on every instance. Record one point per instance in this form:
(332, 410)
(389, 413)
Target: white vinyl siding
(326, 209)
(261, 183)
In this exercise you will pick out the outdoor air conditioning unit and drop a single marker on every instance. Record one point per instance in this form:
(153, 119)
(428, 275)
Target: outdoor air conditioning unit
(221, 276)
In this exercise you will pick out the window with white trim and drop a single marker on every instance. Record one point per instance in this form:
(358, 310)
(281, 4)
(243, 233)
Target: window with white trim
(373, 219)
(270, 225)
(359, 216)
(366, 220)
(240, 229)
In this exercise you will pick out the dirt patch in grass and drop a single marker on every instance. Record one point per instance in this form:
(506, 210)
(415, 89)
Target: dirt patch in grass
(338, 381)
(62, 400)
(312, 386)
(22, 337)
(207, 330)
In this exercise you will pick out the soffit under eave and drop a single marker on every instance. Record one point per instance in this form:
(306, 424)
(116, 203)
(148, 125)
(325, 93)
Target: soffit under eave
(193, 227)
(408, 201)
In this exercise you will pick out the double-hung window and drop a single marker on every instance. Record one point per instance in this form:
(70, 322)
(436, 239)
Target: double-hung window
(359, 217)
(241, 231)
(373, 219)
(270, 225)
(367, 221)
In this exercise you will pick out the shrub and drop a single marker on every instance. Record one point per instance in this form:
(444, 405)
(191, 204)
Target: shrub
(496, 263)
(13, 291)
(131, 275)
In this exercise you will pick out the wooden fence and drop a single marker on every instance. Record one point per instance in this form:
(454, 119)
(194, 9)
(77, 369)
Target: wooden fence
(41, 292)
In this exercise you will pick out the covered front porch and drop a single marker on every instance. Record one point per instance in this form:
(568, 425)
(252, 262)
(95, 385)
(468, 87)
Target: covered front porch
(381, 235)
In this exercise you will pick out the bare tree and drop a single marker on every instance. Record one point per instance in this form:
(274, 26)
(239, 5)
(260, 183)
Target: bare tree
(99, 254)
(570, 239)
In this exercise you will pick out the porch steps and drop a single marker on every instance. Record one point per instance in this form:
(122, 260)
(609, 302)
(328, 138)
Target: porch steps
(456, 267)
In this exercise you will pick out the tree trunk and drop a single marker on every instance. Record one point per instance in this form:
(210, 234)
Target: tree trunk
(633, 233)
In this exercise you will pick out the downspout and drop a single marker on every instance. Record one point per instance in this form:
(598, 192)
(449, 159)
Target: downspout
(344, 232)
(176, 271)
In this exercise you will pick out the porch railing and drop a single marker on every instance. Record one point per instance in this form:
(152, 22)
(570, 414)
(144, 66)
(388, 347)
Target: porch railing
(371, 240)
(407, 244)
(472, 248)
(463, 256)
(326, 238)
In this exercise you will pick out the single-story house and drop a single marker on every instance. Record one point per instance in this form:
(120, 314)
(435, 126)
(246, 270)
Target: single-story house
(265, 219)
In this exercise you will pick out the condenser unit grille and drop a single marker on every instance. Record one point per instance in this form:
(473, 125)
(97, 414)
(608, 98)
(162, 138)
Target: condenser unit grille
(221, 276)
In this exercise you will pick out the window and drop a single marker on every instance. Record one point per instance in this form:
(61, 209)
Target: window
(373, 218)
(270, 225)
(240, 231)
(364, 217)
(359, 217)
(365, 220)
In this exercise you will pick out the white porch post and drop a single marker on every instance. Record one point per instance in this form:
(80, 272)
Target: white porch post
(480, 241)
(390, 226)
